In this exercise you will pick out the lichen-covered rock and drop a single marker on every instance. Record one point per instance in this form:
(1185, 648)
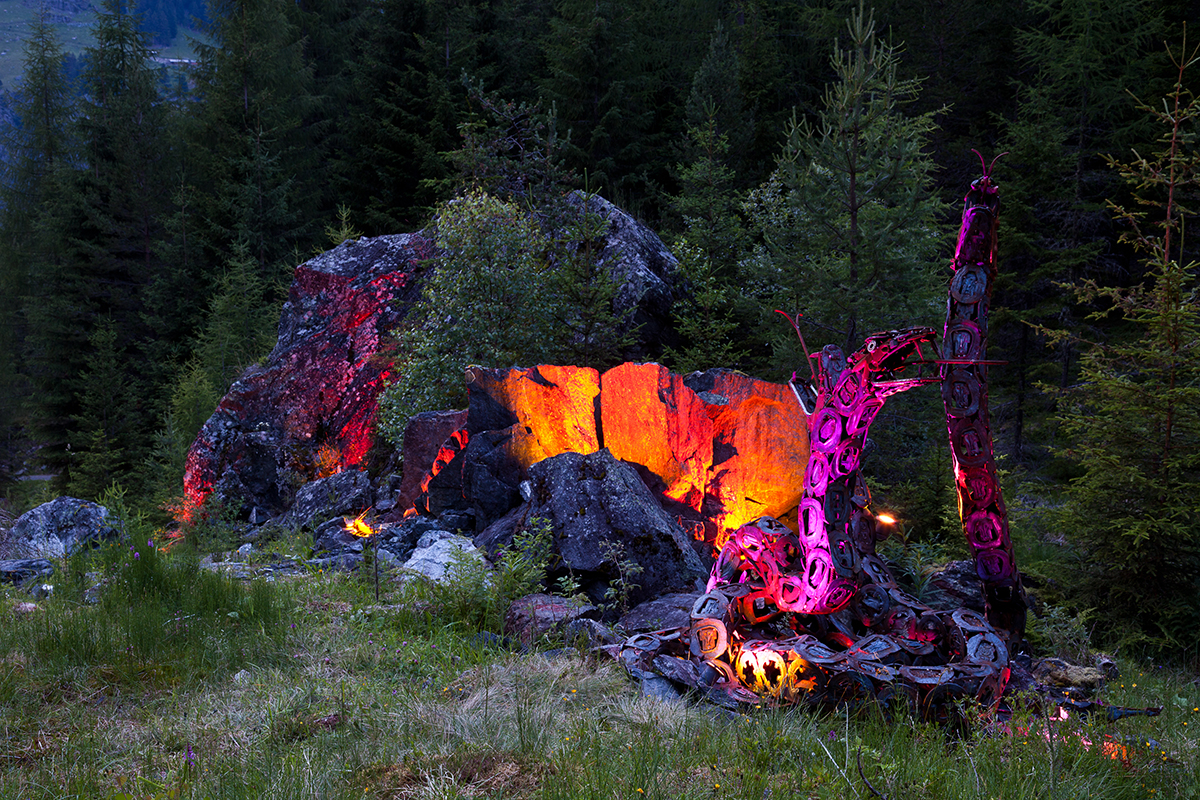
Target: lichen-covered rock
(433, 562)
(21, 570)
(759, 449)
(649, 417)
(669, 611)
(60, 528)
(602, 513)
(645, 272)
(321, 500)
(311, 407)
(531, 617)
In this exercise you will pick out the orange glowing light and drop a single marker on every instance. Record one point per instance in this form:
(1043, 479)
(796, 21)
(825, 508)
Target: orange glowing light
(358, 526)
(886, 519)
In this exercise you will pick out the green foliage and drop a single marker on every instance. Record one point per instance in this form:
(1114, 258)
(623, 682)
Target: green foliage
(715, 238)
(336, 234)
(1133, 422)
(475, 596)
(239, 329)
(848, 220)
(621, 587)
(106, 439)
(481, 304)
(1058, 632)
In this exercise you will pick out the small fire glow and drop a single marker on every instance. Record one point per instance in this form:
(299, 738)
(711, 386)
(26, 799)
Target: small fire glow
(886, 519)
(359, 526)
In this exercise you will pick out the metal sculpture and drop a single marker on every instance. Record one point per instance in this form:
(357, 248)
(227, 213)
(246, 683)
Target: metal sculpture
(816, 618)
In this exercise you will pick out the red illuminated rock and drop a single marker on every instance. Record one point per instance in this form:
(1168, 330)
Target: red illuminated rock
(320, 384)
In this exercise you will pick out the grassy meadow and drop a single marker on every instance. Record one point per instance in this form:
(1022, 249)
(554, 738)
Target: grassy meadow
(179, 682)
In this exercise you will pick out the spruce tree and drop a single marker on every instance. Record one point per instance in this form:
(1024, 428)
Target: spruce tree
(254, 168)
(848, 221)
(106, 441)
(1072, 105)
(36, 145)
(105, 222)
(1133, 420)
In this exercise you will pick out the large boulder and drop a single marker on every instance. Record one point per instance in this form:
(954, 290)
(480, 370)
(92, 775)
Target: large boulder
(718, 448)
(602, 514)
(424, 435)
(311, 407)
(645, 272)
(59, 528)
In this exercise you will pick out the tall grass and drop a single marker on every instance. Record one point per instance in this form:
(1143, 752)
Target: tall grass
(183, 683)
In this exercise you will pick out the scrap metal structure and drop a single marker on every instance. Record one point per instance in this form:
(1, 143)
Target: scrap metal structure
(816, 618)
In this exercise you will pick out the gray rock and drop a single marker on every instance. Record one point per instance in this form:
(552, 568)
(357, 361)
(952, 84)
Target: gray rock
(659, 688)
(319, 386)
(531, 617)
(590, 633)
(429, 537)
(594, 504)
(423, 438)
(24, 569)
(332, 537)
(669, 611)
(60, 528)
(434, 562)
(347, 492)
(643, 269)
(956, 585)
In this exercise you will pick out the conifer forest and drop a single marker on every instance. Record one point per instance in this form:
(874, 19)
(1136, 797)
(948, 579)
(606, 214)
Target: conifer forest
(802, 155)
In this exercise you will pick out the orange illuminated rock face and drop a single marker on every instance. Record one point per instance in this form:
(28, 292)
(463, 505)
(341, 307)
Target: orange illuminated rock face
(554, 409)
(649, 417)
(760, 439)
(725, 447)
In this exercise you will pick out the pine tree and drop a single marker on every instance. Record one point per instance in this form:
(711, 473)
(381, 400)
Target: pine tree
(103, 224)
(36, 145)
(255, 171)
(848, 220)
(1133, 421)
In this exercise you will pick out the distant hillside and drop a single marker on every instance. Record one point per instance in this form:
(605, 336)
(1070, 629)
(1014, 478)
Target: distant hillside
(170, 23)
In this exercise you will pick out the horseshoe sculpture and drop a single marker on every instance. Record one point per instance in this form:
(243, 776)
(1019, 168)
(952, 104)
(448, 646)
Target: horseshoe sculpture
(816, 618)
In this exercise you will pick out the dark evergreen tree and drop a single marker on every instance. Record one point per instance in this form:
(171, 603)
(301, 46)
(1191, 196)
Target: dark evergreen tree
(36, 145)
(848, 221)
(255, 172)
(105, 220)
(407, 84)
(1133, 421)
(106, 438)
(1073, 106)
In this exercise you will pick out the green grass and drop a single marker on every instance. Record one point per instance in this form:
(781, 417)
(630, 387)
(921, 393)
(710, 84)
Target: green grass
(181, 683)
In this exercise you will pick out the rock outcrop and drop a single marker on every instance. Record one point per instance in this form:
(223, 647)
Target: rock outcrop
(718, 448)
(311, 408)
